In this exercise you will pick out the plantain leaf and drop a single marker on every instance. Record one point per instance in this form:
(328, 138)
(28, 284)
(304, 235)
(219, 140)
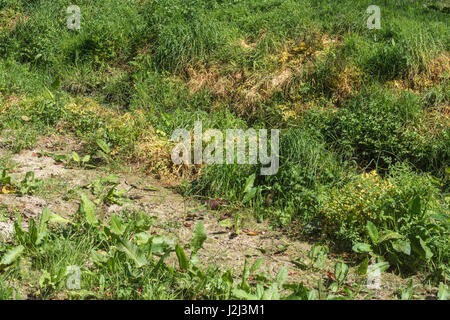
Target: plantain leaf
(426, 249)
(256, 265)
(414, 207)
(373, 232)
(443, 293)
(407, 293)
(104, 146)
(87, 208)
(117, 227)
(55, 218)
(249, 183)
(45, 217)
(402, 246)
(340, 272)
(378, 268)
(133, 252)
(182, 259)
(199, 238)
(75, 157)
(389, 235)
(86, 158)
(243, 295)
(281, 276)
(362, 269)
(362, 248)
(12, 254)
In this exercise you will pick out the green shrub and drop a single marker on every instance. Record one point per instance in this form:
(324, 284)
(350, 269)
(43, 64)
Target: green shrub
(379, 129)
(403, 202)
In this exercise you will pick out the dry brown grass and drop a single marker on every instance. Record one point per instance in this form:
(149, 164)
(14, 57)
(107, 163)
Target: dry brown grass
(348, 82)
(10, 18)
(10, 101)
(248, 89)
(154, 150)
(437, 72)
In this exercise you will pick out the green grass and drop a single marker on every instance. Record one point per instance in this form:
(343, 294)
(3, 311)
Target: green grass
(121, 260)
(137, 70)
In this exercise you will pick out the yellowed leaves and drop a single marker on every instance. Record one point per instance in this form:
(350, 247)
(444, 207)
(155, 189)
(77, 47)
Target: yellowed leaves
(7, 190)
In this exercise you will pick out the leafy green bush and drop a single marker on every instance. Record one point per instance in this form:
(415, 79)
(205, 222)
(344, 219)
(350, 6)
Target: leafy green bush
(405, 203)
(379, 129)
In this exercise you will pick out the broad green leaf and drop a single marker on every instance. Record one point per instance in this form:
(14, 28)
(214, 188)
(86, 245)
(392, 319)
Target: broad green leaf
(133, 252)
(407, 293)
(111, 179)
(362, 248)
(12, 254)
(318, 255)
(271, 293)
(45, 279)
(98, 257)
(182, 259)
(256, 265)
(320, 289)
(259, 290)
(227, 223)
(241, 294)
(150, 188)
(300, 292)
(199, 237)
(34, 236)
(75, 157)
(426, 249)
(333, 287)
(249, 195)
(362, 269)
(104, 146)
(443, 293)
(142, 238)
(340, 272)
(194, 259)
(116, 225)
(162, 244)
(20, 233)
(160, 263)
(86, 158)
(56, 83)
(45, 217)
(87, 208)
(312, 295)
(112, 264)
(389, 235)
(402, 246)
(59, 157)
(281, 276)
(228, 277)
(55, 218)
(249, 183)
(373, 232)
(379, 267)
(249, 191)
